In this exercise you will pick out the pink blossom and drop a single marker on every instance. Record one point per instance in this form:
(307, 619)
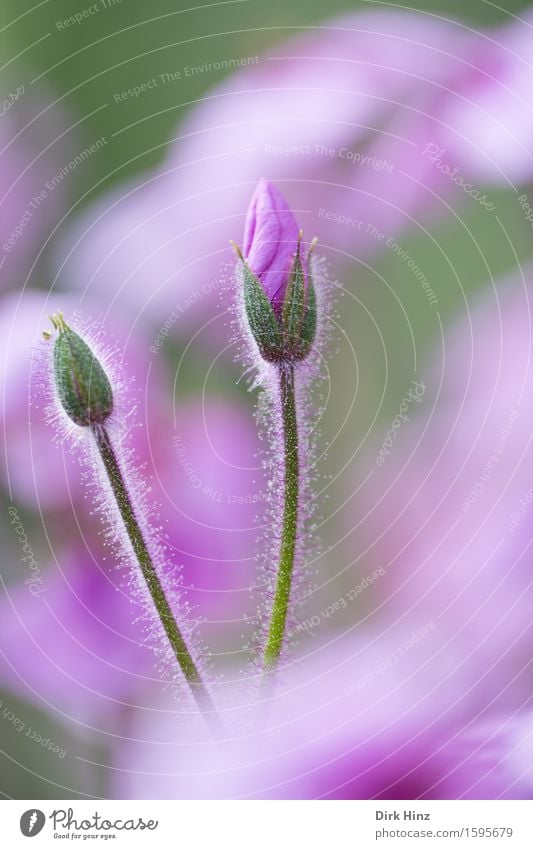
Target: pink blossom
(33, 151)
(448, 512)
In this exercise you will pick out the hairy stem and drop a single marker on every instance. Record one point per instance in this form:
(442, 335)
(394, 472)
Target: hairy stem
(280, 607)
(144, 559)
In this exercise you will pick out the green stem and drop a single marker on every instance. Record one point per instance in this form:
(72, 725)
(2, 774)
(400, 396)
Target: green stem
(144, 559)
(280, 607)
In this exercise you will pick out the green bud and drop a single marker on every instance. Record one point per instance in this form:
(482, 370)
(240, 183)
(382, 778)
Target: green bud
(82, 384)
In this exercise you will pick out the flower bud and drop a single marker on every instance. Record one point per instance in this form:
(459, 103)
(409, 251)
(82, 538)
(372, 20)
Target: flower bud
(299, 311)
(82, 384)
(279, 295)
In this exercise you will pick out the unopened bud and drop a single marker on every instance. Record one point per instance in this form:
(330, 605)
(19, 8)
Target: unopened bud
(279, 295)
(82, 384)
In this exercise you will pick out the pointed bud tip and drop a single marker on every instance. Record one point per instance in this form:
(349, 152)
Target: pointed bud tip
(237, 250)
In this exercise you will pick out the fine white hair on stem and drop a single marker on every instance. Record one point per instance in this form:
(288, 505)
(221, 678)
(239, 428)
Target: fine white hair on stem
(81, 442)
(265, 376)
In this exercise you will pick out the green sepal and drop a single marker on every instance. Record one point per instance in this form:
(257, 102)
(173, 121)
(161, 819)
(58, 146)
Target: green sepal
(308, 329)
(262, 318)
(294, 303)
(82, 384)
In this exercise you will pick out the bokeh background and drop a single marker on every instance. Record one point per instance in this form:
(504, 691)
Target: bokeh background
(131, 140)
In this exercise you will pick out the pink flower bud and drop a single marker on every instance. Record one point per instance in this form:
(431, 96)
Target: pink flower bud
(270, 240)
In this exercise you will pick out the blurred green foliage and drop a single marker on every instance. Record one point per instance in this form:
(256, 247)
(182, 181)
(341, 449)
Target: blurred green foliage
(130, 42)
(44, 758)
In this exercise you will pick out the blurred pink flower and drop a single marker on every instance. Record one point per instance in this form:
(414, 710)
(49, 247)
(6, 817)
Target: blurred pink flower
(33, 153)
(199, 460)
(68, 636)
(448, 513)
(213, 491)
(345, 138)
(489, 126)
(345, 724)
(68, 639)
